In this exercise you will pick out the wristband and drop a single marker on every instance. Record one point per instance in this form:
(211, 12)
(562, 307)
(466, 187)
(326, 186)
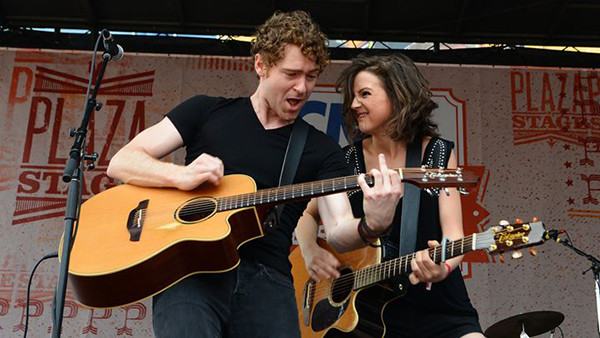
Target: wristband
(449, 269)
(362, 225)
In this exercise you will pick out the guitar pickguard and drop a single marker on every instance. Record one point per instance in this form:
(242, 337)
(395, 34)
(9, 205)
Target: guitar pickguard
(325, 314)
(330, 309)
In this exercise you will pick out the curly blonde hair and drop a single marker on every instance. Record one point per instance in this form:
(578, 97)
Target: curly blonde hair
(296, 28)
(407, 89)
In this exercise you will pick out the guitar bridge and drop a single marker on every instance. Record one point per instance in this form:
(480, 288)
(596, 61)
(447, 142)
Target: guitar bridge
(135, 221)
(309, 287)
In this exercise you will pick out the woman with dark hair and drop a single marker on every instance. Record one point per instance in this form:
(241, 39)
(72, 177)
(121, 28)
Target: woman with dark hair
(387, 106)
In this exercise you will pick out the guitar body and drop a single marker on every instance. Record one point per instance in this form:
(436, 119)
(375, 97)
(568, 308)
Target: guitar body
(108, 269)
(329, 307)
(353, 304)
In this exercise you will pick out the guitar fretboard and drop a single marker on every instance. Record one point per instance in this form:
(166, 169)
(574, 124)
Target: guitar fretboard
(401, 265)
(291, 192)
(424, 178)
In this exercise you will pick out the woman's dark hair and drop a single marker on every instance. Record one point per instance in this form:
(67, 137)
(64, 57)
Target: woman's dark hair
(406, 88)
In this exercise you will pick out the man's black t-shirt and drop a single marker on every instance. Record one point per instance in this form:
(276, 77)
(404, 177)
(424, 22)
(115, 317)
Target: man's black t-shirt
(229, 129)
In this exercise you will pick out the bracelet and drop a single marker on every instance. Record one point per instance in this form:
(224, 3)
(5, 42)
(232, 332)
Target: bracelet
(449, 269)
(362, 225)
(370, 232)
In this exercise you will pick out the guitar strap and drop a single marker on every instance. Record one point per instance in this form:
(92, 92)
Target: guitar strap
(410, 203)
(291, 160)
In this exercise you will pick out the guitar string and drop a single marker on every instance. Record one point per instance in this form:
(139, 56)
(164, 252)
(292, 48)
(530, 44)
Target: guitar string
(371, 277)
(378, 272)
(230, 202)
(348, 280)
(373, 274)
(302, 191)
(308, 188)
(168, 210)
(269, 195)
(290, 192)
(286, 193)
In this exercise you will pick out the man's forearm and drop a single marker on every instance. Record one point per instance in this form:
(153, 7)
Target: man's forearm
(136, 167)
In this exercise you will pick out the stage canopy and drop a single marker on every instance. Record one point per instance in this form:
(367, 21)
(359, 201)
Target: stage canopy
(507, 26)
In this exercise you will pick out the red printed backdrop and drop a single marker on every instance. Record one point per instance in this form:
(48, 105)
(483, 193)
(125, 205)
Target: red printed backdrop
(532, 135)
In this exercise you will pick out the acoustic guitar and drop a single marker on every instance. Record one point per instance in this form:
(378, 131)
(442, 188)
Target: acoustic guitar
(335, 307)
(134, 242)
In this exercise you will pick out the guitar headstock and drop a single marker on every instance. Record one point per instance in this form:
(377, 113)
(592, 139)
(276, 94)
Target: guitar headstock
(509, 237)
(439, 178)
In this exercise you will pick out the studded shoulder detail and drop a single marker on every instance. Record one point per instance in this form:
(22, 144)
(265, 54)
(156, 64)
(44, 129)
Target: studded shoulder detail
(351, 155)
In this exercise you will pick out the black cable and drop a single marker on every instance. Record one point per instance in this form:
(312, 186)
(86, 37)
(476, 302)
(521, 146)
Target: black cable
(52, 255)
(568, 237)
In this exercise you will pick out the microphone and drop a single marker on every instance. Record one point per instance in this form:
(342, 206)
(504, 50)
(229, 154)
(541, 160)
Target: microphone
(111, 47)
(553, 235)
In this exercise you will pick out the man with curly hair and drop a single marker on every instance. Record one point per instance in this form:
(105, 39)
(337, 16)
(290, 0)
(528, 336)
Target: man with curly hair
(249, 135)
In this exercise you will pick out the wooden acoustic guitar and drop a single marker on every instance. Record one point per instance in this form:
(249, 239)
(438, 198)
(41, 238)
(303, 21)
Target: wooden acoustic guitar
(134, 242)
(337, 307)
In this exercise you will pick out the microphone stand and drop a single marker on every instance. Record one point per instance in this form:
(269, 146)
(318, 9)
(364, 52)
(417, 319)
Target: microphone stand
(595, 269)
(73, 173)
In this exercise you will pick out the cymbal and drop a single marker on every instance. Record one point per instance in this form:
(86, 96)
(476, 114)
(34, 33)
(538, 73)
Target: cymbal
(535, 323)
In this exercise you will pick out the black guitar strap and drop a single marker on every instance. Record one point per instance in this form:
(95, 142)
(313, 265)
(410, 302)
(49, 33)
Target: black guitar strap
(290, 165)
(410, 203)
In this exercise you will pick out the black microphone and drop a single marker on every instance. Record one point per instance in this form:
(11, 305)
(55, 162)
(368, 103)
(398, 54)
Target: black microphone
(553, 234)
(111, 47)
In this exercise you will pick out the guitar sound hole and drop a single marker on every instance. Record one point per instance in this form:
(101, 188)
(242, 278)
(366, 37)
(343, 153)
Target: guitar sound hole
(342, 287)
(196, 210)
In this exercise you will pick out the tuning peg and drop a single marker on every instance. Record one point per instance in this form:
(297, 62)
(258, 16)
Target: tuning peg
(446, 191)
(501, 257)
(517, 254)
(532, 251)
(504, 223)
(463, 191)
(423, 168)
(458, 170)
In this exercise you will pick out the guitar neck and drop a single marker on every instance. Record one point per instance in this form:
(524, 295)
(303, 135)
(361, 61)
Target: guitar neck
(424, 178)
(290, 193)
(401, 265)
